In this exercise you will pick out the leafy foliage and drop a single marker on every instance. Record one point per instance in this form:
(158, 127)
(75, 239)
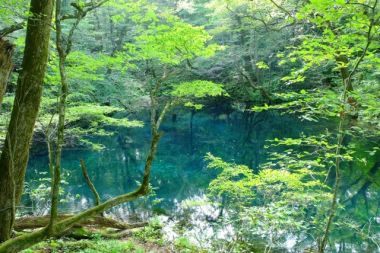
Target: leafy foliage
(172, 43)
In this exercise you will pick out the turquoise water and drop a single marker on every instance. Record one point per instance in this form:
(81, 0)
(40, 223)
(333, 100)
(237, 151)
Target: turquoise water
(179, 171)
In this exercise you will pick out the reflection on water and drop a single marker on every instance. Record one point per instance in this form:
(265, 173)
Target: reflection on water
(179, 172)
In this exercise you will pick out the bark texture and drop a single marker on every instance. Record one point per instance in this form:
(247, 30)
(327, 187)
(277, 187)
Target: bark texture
(6, 51)
(15, 151)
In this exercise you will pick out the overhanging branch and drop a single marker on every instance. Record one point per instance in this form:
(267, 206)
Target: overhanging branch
(8, 30)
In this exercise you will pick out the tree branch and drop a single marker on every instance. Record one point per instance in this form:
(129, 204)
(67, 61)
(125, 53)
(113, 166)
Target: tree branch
(281, 8)
(8, 30)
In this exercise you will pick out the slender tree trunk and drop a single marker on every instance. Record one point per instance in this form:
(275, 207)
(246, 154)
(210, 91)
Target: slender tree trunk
(334, 203)
(64, 48)
(24, 113)
(62, 53)
(191, 131)
(6, 51)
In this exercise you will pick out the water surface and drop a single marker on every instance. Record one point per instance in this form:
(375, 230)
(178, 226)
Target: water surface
(179, 171)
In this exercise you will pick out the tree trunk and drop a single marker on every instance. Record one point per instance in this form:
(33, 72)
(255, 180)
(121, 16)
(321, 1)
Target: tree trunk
(6, 51)
(24, 113)
(62, 53)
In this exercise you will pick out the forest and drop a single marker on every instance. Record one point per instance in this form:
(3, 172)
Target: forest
(189, 126)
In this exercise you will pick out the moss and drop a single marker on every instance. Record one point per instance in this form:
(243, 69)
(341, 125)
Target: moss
(151, 233)
(85, 246)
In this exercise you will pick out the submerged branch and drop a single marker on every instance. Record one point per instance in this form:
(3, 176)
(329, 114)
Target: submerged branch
(89, 182)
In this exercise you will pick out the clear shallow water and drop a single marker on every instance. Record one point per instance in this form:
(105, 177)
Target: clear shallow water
(179, 171)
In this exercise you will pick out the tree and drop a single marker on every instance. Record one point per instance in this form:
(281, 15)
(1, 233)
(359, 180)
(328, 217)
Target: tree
(15, 153)
(346, 32)
(344, 37)
(63, 51)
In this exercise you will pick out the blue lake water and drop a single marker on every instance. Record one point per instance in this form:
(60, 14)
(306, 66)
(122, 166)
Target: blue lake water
(179, 171)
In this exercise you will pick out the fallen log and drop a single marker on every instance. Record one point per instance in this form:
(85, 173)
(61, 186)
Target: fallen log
(83, 233)
(33, 222)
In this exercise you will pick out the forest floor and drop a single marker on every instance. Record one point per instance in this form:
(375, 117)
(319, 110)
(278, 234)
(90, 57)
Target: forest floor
(138, 240)
(66, 245)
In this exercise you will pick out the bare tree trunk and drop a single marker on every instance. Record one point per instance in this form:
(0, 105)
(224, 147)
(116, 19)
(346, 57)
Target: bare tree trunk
(24, 113)
(6, 51)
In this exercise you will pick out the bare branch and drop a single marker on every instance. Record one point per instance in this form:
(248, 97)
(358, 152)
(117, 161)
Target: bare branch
(282, 8)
